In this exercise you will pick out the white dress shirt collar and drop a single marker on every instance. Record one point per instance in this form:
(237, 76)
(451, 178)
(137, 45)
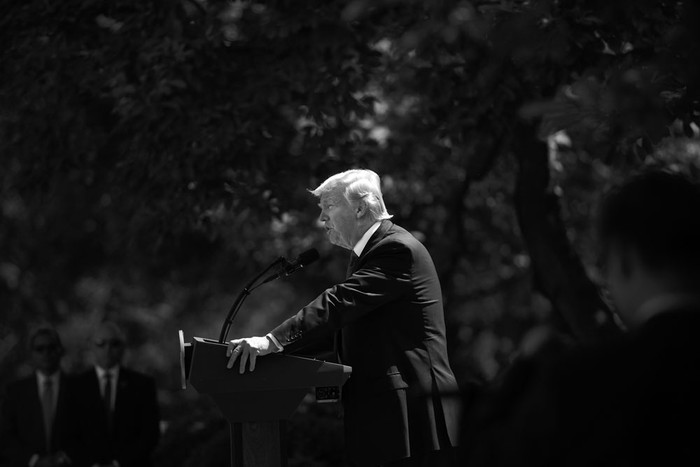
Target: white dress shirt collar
(101, 372)
(41, 378)
(360, 246)
(55, 379)
(114, 377)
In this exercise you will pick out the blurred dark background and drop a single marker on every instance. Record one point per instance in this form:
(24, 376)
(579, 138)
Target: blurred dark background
(154, 155)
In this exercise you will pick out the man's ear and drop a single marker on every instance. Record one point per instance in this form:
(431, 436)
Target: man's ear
(361, 209)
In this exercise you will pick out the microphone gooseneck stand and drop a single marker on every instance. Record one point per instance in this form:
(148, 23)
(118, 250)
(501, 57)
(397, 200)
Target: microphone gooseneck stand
(241, 298)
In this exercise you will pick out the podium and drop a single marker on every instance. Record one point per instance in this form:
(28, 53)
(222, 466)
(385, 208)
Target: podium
(256, 404)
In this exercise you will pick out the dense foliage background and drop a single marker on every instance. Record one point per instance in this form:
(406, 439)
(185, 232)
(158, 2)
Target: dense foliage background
(156, 154)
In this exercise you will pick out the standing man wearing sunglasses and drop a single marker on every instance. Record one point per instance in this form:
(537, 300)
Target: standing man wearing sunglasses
(35, 420)
(119, 422)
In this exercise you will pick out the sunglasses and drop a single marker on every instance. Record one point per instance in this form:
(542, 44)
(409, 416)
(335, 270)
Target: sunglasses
(45, 348)
(115, 344)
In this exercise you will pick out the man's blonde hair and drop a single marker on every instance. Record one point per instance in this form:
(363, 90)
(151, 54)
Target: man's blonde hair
(356, 185)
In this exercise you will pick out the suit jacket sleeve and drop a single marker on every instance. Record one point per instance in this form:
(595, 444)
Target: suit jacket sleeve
(384, 276)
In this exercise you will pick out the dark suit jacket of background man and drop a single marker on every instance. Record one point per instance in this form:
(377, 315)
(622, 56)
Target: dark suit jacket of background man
(392, 332)
(22, 432)
(135, 429)
(631, 403)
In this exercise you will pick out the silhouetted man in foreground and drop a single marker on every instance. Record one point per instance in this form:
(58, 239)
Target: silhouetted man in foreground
(635, 402)
(36, 421)
(120, 418)
(388, 324)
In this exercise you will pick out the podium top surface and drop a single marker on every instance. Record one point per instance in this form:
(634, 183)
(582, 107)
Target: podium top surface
(208, 373)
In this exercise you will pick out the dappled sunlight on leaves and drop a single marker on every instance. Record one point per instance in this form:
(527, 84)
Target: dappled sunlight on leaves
(156, 155)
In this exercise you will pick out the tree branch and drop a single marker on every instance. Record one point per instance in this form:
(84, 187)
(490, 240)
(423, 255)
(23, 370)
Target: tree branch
(559, 272)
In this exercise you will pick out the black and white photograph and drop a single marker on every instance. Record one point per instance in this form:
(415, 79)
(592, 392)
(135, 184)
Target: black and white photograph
(349, 233)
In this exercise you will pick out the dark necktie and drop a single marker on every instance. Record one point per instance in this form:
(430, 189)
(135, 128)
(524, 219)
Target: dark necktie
(353, 264)
(47, 409)
(107, 398)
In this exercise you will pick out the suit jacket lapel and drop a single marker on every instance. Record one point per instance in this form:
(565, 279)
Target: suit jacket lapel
(354, 263)
(97, 397)
(353, 266)
(60, 406)
(121, 386)
(376, 238)
(36, 411)
(122, 392)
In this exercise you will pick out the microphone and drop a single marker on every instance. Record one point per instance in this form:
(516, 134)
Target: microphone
(290, 267)
(304, 259)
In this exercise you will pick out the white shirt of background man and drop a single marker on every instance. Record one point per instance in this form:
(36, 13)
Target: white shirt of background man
(55, 379)
(114, 377)
(41, 379)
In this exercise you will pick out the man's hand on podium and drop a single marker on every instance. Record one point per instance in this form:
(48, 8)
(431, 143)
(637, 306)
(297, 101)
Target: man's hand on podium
(248, 349)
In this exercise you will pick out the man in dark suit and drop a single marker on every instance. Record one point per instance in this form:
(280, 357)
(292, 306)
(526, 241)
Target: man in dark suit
(632, 402)
(388, 323)
(36, 427)
(120, 418)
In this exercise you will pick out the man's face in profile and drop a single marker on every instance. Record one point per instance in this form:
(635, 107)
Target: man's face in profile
(339, 218)
(108, 346)
(46, 354)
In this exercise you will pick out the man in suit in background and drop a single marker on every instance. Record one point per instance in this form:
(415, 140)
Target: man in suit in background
(120, 417)
(388, 323)
(633, 402)
(36, 418)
